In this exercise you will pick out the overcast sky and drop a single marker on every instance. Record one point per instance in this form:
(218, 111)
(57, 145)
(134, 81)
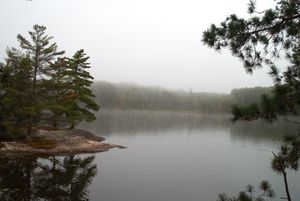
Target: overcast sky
(149, 42)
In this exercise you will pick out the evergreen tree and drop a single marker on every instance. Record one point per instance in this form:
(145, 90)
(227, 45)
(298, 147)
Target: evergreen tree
(40, 50)
(261, 40)
(35, 79)
(80, 99)
(17, 110)
(249, 193)
(3, 76)
(22, 76)
(56, 88)
(41, 53)
(258, 41)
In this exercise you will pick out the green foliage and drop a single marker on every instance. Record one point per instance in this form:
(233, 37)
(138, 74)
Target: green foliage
(39, 49)
(288, 157)
(35, 82)
(3, 77)
(247, 96)
(131, 96)
(23, 95)
(274, 29)
(80, 100)
(56, 89)
(16, 94)
(248, 195)
(41, 52)
(260, 40)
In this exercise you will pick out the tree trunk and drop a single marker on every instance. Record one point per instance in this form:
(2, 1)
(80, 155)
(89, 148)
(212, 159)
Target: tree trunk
(286, 187)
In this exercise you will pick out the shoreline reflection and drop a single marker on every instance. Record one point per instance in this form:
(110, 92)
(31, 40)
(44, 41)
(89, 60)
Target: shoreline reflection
(52, 178)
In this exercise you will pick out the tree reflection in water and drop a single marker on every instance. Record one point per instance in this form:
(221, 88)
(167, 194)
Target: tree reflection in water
(53, 178)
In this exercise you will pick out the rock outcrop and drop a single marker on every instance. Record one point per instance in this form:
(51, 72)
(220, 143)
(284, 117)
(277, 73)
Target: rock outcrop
(58, 142)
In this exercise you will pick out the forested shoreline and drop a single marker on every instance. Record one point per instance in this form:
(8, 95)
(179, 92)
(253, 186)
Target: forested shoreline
(132, 96)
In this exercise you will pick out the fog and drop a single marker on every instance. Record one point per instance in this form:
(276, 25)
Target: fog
(153, 43)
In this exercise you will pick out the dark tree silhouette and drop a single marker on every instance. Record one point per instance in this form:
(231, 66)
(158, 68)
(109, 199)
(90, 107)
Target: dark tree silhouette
(35, 81)
(258, 41)
(54, 178)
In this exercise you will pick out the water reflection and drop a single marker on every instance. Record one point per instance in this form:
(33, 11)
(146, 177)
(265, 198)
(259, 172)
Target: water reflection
(184, 156)
(53, 178)
(258, 131)
(170, 157)
(137, 122)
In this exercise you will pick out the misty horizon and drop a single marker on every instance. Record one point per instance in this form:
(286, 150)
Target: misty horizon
(165, 100)
(151, 43)
(158, 87)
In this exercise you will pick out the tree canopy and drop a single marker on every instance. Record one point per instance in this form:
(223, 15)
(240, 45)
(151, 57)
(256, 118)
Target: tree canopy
(260, 41)
(37, 82)
(78, 107)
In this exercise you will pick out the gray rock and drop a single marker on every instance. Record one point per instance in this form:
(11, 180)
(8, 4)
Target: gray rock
(58, 142)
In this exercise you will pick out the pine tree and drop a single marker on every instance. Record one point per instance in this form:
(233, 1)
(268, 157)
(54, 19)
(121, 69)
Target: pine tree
(35, 79)
(248, 194)
(55, 89)
(80, 99)
(17, 109)
(25, 70)
(3, 77)
(41, 53)
(259, 41)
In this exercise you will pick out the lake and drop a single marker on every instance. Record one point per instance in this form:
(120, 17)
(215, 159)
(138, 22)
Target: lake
(170, 157)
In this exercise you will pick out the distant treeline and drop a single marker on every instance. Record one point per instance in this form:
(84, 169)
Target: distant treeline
(132, 96)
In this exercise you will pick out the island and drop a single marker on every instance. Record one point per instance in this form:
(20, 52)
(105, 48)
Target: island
(49, 141)
(44, 95)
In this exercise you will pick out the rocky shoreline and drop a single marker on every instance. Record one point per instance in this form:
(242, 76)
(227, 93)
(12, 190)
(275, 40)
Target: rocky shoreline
(57, 142)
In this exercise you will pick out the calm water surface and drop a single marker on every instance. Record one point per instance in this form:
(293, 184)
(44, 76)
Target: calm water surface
(170, 157)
